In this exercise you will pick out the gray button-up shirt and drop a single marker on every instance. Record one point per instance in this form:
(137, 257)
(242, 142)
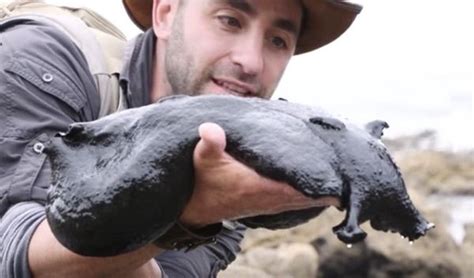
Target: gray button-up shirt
(45, 85)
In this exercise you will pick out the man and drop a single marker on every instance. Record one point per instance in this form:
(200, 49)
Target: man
(238, 47)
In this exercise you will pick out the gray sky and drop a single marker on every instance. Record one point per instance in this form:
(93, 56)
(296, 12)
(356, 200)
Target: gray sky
(409, 62)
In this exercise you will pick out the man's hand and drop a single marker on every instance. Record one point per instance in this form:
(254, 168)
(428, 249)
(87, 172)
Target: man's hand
(227, 189)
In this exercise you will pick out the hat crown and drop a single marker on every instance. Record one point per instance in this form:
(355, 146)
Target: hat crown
(325, 20)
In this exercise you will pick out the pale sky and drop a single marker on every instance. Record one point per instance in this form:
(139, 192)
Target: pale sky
(409, 62)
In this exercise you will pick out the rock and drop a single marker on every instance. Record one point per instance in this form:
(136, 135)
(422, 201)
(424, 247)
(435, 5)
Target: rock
(469, 236)
(301, 261)
(438, 172)
(288, 260)
(264, 258)
(468, 251)
(266, 238)
(239, 271)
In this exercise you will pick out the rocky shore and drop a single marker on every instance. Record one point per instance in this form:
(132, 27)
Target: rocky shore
(436, 181)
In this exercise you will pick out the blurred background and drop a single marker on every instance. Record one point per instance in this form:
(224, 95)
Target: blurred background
(410, 63)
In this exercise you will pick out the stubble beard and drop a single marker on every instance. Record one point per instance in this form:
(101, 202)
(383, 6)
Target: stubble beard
(179, 63)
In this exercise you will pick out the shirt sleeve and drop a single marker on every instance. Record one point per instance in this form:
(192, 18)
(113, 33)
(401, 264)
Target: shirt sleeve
(16, 229)
(205, 260)
(45, 85)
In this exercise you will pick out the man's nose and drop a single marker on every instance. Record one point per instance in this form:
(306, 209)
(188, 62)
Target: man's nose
(249, 56)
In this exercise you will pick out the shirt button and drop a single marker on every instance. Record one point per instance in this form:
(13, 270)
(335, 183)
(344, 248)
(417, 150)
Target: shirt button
(47, 77)
(38, 148)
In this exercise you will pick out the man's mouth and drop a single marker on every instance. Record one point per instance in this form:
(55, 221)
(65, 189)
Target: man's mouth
(235, 88)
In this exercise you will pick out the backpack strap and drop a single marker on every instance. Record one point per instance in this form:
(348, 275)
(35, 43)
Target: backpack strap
(101, 43)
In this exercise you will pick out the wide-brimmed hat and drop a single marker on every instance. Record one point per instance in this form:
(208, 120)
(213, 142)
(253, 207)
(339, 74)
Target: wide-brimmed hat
(324, 20)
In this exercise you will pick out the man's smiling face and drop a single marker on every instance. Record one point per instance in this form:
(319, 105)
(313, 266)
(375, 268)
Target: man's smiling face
(240, 47)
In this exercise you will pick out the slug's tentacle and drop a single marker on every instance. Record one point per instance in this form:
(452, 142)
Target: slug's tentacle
(375, 128)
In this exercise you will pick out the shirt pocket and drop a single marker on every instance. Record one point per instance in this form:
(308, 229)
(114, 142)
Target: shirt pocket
(48, 79)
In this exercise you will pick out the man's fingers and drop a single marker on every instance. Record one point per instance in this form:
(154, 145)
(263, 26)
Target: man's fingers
(296, 200)
(212, 143)
(321, 202)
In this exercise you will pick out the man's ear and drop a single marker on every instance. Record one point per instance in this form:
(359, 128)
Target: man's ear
(163, 15)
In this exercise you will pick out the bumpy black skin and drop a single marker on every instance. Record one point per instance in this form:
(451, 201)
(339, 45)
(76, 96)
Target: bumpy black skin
(121, 181)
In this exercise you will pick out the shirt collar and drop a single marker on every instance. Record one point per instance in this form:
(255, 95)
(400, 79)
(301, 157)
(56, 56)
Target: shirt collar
(136, 76)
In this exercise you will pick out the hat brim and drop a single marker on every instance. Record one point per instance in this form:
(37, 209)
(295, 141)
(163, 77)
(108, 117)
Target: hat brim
(324, 21)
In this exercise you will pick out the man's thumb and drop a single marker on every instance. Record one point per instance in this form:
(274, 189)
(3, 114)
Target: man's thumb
(212, 143)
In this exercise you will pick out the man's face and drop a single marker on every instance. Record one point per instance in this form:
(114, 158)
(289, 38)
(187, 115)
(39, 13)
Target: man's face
(239, 47)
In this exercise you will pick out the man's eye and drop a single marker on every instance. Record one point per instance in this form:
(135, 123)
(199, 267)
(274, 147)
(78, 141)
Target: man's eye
(229, 21)
(279, 42)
